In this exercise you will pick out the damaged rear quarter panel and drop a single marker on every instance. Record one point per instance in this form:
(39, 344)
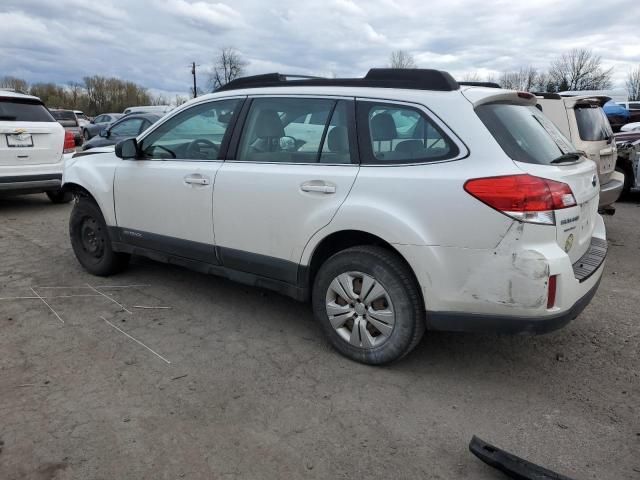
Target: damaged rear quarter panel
(513, 276)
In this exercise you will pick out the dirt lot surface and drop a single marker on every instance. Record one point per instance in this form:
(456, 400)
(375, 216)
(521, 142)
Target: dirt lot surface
(232, 382)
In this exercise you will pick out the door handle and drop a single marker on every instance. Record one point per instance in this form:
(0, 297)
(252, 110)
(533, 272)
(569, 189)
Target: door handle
(196, 179)
(321, 187)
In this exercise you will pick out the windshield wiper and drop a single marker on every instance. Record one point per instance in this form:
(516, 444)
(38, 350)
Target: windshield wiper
(567, 157)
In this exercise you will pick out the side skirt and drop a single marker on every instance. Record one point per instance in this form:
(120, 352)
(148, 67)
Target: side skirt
(204, 259)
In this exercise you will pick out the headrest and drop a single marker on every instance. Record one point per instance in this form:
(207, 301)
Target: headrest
(383, 127)
(268, 124)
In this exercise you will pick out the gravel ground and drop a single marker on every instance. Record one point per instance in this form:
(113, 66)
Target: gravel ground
(232, 382)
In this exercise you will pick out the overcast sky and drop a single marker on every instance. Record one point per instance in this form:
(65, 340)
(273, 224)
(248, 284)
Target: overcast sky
(152, 42)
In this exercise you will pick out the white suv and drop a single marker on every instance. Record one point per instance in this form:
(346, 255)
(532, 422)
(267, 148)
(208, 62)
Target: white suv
(582, 119)
(417, 205)
(32, 144)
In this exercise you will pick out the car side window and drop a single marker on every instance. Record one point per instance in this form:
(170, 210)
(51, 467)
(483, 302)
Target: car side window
(127, 128)
(285, 130)
(194, 134)
(395, 134)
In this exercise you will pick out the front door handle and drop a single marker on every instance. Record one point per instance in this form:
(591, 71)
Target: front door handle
(196, 179)
(318, 186)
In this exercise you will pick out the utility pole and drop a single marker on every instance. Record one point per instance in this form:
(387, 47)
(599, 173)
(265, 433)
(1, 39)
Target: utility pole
(193, 72)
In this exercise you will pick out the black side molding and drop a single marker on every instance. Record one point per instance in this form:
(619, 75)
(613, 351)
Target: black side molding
(510, 464)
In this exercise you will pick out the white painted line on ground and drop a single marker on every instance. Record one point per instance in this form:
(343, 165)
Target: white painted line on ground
(49, 296)
(112, 299)
(98, 286)
(122, 286)
(135, 340)
(45, 302)
(151, 308)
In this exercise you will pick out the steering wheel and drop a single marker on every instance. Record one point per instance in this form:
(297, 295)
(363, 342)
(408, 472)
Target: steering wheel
(193, 149)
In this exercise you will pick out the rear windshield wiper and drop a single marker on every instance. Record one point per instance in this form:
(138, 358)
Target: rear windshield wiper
(567, 157)
(7, 117)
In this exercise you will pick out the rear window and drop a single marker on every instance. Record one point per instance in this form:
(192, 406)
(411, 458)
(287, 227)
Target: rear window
(593, 125)
(23, 111)
(524, 133)
(63, 115)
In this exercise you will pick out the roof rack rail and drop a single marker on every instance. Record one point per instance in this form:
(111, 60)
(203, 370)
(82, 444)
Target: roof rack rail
(547, 95)
(408, 78)
(480, 84)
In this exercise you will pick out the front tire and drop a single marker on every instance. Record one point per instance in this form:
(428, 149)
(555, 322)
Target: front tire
(90, 240)
(368, 304)
(59, 196)
(86, 135)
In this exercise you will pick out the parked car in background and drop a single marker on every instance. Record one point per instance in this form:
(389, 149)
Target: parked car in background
(630, 127)
(69, 121)
(629, 158)
(583, 121)
(83, 120)
(32, 144)
(161, 109)
(634, 111)
(418, 205)
(98, 124)
(616, 114)
(128, 126)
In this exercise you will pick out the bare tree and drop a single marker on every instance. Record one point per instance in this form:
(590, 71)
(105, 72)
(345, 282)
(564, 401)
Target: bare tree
(401, 59)
(580, 69)
(525, 79)
(228, 66)
(17, 84)
(471, 77)
(633, 83)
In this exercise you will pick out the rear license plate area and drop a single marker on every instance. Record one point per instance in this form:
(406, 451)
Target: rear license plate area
(19, 140)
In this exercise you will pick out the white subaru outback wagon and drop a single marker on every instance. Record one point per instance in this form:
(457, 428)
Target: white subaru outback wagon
(396, 203)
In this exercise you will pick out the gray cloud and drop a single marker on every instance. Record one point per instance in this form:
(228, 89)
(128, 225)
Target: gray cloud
(153, 42)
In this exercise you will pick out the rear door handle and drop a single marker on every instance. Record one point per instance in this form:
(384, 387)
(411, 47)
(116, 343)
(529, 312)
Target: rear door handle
(196, 179)
(321, 187)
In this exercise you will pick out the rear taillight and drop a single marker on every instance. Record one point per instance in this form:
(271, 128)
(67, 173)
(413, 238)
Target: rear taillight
(551, 295)
(69, 143)
(523, 197)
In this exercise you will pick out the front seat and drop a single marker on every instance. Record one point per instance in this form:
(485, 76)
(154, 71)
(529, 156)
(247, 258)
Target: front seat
(267, 132)
(383, 129)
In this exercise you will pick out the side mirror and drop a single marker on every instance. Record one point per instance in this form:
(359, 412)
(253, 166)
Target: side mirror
(127, 149)
(288, 144)
(92, 122)
(104, 133)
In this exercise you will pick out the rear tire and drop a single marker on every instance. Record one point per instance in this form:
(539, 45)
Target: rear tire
(59, 196)
(90, 240)
(368, 304)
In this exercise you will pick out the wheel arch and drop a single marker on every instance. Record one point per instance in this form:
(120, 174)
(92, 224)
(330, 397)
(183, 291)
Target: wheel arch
(341, 240)
(80, 191)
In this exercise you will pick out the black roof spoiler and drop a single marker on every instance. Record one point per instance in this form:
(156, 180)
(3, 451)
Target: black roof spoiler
(547, 95)
(480, 84)
(409, 78)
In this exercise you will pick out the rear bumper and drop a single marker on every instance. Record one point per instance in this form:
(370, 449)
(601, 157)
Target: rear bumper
(19, 179)
(483, 323)
(611, 191)
(30, 183)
